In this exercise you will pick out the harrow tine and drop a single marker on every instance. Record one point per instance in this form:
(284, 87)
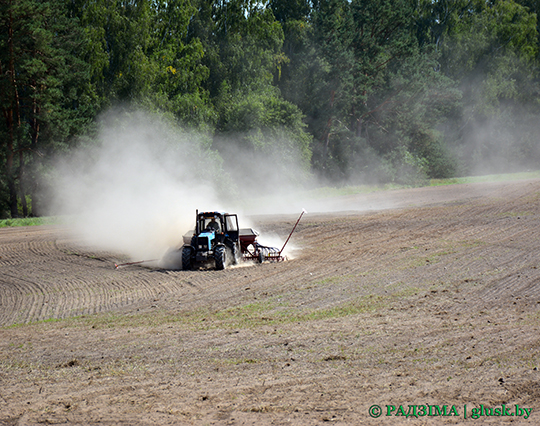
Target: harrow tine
(119, 265)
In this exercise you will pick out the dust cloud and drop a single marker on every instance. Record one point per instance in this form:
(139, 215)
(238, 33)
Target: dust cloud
(499, 145)
(135, 187)
(269, 178)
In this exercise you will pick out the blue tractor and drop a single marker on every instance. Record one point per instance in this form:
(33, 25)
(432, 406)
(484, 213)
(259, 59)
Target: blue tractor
(216, 240)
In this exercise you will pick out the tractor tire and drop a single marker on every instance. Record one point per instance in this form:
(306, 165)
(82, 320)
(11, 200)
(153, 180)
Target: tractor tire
(220, 257)
(186, 258)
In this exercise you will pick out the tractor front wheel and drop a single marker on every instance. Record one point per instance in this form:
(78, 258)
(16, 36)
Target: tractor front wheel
(220, 257)
(186, 258)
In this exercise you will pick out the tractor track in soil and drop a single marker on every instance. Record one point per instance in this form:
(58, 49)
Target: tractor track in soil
(427, 296)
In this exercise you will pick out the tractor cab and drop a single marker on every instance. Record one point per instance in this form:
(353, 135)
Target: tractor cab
(209, 223)
(216, 238)
(218, 223)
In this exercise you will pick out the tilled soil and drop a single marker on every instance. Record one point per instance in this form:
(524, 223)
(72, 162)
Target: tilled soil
(430, 299)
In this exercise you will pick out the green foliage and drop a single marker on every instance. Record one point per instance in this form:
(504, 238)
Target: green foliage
(417, 102)
(496, 40)
(357, 46)
(353, 90)
(31, 221)
(45, 94)
(244, 42)
(490, 52)
(265, 134)
(289, 10)
(403, 167)
(141, 54)
(367, 90)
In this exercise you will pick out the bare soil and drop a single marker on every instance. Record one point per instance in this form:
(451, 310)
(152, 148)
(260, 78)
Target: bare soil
(431, 298)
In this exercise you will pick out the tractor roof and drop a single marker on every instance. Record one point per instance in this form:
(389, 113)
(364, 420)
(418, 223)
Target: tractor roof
(211, 214)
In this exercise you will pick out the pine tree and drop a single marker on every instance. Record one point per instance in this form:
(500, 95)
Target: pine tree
(44, 93)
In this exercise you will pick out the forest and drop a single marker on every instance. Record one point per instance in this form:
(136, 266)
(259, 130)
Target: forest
(357, 91)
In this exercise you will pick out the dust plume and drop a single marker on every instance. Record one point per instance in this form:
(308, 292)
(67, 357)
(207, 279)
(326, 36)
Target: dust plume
(504, 144)
(271, 175)
(136, 189)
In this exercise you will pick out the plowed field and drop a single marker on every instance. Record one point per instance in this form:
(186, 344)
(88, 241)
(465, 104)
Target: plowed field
(429, 298)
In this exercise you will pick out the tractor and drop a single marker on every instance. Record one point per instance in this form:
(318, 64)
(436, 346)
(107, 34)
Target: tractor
(216, 239)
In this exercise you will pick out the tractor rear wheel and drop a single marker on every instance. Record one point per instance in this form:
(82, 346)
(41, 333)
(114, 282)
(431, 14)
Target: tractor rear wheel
(220, 257)
(186, 258)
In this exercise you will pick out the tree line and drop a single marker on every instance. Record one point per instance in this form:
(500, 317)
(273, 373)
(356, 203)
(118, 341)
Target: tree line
(357, 90)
